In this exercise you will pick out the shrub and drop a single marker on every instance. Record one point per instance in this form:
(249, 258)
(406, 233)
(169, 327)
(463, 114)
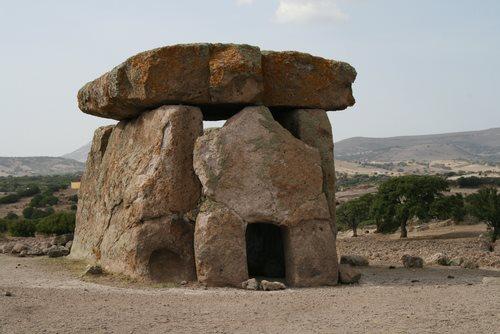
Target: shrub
(73, 198)
(42, 200)
(33, 213)
(21, 228)
(30, 190)
(7, 199)
(485, 205)
(11, 216)
(57, 223)
(74, 207)
(3, 225)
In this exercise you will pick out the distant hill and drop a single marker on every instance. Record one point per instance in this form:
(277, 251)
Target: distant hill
(24, 166)
(79, 154)
(478, 146)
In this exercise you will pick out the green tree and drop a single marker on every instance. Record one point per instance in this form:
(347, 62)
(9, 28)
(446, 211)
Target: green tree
(446, 207)
(57, 223)
(485, 205)
(400, 198)
(355, 211)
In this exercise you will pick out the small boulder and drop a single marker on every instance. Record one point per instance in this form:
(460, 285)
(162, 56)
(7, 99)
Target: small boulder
(93, 270)
(348, 274)
(35, 251)
(18, 248)
(469, 264)
(354, 260)
(491, 280)
(6, 248)
(250, 284)
(69, 244)
(61, 240)
(271, 286)
(421, 227)
(23, 253)
(438, 258)
(412, 261)
(57, 251)
(456, 261)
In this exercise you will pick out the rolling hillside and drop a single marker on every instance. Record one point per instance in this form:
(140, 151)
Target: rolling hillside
(25, 166)
(478, 146)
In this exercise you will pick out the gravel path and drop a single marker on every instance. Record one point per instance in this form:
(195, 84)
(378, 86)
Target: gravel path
(49, 297)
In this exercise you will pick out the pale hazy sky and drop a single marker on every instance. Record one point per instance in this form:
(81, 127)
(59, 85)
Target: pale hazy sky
(423, 66)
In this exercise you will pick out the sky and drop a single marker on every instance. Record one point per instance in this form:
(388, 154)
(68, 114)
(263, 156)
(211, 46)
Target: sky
(423, 66)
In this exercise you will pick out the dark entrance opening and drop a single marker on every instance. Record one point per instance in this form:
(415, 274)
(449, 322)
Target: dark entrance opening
(265, 255)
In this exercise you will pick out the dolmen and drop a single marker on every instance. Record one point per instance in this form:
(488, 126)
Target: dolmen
(162, 199)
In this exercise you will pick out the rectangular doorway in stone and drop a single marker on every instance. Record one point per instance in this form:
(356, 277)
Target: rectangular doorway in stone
(265, 252)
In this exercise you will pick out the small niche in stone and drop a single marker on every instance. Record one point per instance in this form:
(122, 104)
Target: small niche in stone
(162, 200)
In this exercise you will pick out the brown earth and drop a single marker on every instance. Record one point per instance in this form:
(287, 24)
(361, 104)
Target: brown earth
(453, 241)
(49, 297)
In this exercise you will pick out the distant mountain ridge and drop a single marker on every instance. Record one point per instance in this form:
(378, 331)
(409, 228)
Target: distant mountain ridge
(79, 154)
(30, 166)
(478, 146)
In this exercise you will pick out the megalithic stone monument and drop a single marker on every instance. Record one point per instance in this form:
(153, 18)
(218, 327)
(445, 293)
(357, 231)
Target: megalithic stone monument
(163, 200)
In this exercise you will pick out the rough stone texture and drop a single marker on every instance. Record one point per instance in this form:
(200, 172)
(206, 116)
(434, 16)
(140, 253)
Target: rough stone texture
(272, 286)
(294, 79)
(220, 77)
(138, 185)
(354, 260)
(196, 74)
(219, 246)
(438, 258)
(313, 127)
(412, 261)
(348, 274)
(250, 284)
(18, 248)
(258, 169)
(253, 171)
(57, 251)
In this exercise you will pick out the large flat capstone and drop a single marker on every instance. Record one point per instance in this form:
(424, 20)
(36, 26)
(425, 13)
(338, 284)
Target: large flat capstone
(220, 78)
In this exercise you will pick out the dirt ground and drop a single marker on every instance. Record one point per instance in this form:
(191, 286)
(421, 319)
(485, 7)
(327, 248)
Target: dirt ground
(455, 241)
(50, 296)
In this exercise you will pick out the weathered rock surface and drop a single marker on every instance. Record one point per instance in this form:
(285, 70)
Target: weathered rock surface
(18, 247)
(354, 260)
(295, 79)
(57, 251)
(348, 274)
(412, 261)
(253, 171)
(439, 258)
(313, 127)
(250, 284)
(219, 77)
(258, 169)
(272, 286)
(138, 185)
(219, 246)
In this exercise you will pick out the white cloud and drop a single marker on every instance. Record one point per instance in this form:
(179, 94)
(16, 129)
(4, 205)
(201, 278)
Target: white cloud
(309, 10)
(244, 2)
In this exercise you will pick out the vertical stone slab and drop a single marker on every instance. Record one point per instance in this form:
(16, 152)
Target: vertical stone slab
(219, 243)
(88, 231)
(133, 202)
(313, 127)
(309, 256)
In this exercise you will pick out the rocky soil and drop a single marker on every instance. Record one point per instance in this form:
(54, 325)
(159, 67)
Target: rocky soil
(455, 241)
(49, 296)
